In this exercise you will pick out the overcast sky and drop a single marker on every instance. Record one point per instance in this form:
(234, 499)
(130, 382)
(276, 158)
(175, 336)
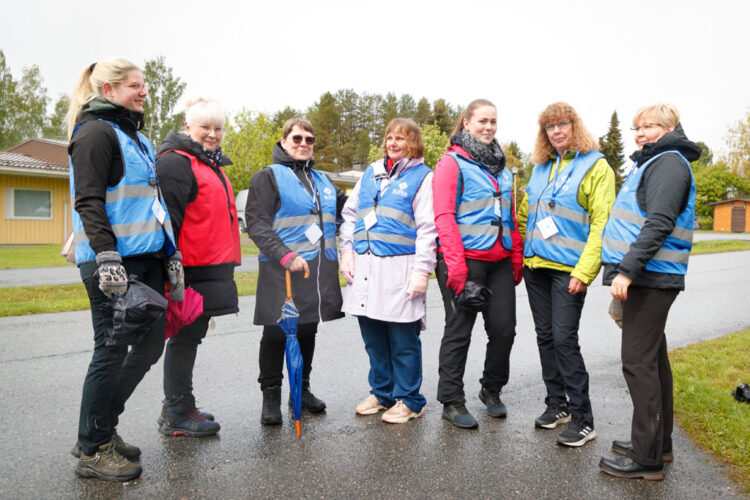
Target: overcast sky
(599, 56)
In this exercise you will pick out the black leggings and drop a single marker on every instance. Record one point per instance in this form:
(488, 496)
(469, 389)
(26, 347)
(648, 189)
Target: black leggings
(271, 355)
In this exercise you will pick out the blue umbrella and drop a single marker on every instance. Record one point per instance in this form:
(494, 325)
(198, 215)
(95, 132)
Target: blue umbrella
(288, 323)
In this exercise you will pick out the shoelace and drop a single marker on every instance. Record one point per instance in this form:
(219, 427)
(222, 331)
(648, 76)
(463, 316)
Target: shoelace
(195, 414)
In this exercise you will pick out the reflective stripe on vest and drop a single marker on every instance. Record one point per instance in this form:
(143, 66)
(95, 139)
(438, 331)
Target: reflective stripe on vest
(297, 213)
(475, 211)
(627, 219)
(558, 199)
(129, 204)
(395, 231)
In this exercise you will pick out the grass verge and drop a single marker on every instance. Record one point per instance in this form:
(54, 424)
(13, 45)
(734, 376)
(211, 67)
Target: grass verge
(704, 376)
(716, 246)
(21, 257)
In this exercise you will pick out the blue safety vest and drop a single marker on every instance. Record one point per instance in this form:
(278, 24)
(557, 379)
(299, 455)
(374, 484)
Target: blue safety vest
(476, 215)
(129, 204)
(299, 210)
(558, 199)
(626, 221)
(395, 231)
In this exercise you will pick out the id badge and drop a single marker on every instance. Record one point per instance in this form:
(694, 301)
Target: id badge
(370, 219)
(313, 233)
(158, 211)
(547, 227)
(497, 207)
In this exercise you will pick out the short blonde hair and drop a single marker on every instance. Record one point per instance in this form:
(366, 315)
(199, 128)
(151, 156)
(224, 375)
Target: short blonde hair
(414, 142)
(204, 109)
(665, 115)
(581, 140)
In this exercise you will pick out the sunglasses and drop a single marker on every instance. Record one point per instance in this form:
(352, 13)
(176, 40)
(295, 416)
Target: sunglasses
(309, 140)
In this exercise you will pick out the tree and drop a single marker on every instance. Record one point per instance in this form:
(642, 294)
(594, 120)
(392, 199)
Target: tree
(164, 92)
(738, 140)
(248, 141)
(443, 116)
(280, 117)
(23, 105)
(407, 108)
(423, 114)
(325, 117)
(513, 155)
(712, 183)
(705, 159)
(57, 126)
(612, 148)
(388, 109)
(435, 142)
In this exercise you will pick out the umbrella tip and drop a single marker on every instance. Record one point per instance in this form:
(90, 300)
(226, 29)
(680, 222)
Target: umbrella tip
(298, 424)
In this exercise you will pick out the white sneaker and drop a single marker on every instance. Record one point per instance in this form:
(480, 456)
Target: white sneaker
(400, 413)
(369, 406)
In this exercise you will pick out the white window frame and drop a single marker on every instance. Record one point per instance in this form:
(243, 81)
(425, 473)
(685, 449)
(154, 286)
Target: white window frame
(10, 204)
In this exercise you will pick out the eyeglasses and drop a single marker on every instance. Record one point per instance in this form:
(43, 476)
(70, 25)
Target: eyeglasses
(138, 86)
(309, 140)
(646, 126)
(560, 125)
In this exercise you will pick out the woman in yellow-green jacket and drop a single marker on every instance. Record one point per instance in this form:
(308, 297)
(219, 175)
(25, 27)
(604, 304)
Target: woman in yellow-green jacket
(561, 217)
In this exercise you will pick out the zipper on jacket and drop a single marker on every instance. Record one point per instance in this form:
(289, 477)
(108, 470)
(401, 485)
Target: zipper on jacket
(322, 240)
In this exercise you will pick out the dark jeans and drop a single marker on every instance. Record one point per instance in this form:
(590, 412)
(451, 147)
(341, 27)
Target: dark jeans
(179, 359)
(647, 371)
(499, 323)
(272, 349)
(115, 371)
(557, 314)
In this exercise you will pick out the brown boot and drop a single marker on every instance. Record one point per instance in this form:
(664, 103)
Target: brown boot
(107, 464)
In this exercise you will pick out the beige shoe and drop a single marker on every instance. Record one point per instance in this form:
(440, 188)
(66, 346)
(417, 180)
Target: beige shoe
(400, 413)
(369, 406)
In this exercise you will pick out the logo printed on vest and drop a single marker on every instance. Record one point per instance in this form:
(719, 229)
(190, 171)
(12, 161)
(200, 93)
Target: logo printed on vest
(328, 193)
(401, 189)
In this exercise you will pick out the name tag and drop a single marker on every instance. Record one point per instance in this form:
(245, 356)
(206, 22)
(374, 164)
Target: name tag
(547, 227)
(313, 233)
(497, 207)
(370, 219)
(158, 211)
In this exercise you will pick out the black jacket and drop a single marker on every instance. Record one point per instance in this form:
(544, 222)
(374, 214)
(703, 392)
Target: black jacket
(663, 194)
(97, 165)
(178, 185)
(317, 298)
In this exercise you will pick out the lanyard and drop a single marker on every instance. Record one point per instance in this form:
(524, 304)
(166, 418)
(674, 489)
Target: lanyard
(555, 186)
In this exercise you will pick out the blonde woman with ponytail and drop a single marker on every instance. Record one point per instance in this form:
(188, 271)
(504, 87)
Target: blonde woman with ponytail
(121, 227)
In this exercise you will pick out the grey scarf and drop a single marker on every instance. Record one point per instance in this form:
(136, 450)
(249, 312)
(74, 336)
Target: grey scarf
(491, 156)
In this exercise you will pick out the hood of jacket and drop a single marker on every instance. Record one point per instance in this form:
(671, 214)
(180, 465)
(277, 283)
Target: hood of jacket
(675, 140)
(183, 142)
(280, 156)
(101, 108)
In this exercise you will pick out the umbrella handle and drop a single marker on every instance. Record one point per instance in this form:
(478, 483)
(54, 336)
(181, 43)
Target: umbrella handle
(288, 285)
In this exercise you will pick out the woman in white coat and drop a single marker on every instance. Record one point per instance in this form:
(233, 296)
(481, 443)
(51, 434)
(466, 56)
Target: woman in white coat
(388, 245)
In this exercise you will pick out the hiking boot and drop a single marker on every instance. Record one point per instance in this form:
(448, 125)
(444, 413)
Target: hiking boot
(107, 464)
(495, 406)
(311, 403)
(163, 415)
(577, 433)
(271, 412)
(554, 415)
(458, 415)
(623, 447)
(129, 451)
(400, 414)
(188, 424)
(369, 406)
(629, 469)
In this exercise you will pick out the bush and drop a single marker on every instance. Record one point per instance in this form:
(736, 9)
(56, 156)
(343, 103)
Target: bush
(706, 222)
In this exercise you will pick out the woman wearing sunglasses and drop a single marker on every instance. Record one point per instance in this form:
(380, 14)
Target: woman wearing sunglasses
(567, 202)
(291, 215)
(387, 255)
(645, 249)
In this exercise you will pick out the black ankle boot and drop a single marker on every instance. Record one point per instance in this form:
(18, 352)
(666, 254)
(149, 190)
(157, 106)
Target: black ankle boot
(271, 413)
(309, 401)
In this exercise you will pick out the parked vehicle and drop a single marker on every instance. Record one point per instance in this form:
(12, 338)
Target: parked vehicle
(240, 202)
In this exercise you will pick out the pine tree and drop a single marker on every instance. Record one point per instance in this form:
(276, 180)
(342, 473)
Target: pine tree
(612, 148)
(163, 93)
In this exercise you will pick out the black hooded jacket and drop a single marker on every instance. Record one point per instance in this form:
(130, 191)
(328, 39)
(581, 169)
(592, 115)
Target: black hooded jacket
(317, 298)
(663, 194)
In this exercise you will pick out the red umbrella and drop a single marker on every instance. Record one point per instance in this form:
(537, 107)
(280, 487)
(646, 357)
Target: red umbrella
(181, 314)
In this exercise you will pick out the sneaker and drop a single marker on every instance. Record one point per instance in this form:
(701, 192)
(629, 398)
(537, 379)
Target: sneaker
(311, 403)
(189, 424)
(495, 406)
(129, 451)
(107, 464)
(623, 447)
(400, 414)
(369, 406)
(577, 433)
(163, 415)
(554, 415)
(458, 415)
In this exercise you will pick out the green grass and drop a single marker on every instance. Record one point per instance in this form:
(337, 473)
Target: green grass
(704, 376)
(716, 246)
(19, 257)
(249, 248)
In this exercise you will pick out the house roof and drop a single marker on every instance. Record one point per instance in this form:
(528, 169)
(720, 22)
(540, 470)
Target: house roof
(724, 202)
(21, 164)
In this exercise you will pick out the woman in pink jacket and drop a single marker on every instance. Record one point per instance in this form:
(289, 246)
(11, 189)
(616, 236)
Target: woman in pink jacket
(387, 243)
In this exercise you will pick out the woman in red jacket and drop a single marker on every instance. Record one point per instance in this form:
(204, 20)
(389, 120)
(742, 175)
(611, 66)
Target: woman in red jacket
(479, 259)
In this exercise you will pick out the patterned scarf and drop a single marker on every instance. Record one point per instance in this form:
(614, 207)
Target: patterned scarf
(214, 156)
(491, 156)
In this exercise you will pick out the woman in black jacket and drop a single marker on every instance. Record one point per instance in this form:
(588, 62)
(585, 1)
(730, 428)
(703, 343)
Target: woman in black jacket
(204, 219)
(305, 244)
(645, 249)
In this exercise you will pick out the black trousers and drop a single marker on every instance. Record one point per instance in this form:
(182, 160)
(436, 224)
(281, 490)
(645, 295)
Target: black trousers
(179, 359)
(557, 315)
(272, 350)
(499, 323)
(647, 371)
(115, 371)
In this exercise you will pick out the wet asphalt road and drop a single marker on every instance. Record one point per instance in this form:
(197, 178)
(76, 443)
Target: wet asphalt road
(43, 360)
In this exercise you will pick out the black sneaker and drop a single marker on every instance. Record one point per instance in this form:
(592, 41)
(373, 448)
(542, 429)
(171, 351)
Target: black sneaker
(495, 406)
(458, 415)
(163, 415)
(554, 415)
(189, 424)
(129, 451)
(577, 433)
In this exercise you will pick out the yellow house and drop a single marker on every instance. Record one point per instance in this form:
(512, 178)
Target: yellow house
(34, 193)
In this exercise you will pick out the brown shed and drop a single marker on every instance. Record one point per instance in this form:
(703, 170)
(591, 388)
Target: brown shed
(732, 215)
